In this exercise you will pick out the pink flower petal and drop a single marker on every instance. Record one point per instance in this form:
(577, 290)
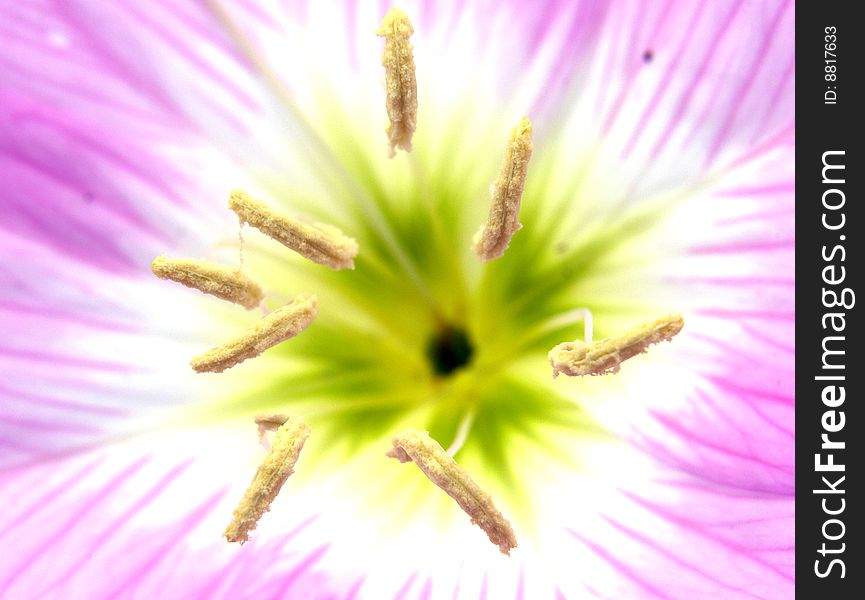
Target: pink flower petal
(123, 127)
(109, 525)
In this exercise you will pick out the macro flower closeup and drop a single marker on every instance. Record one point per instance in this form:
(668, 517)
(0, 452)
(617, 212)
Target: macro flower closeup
(660, 182)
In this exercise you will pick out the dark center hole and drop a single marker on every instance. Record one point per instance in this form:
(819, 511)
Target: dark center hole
(449, 350)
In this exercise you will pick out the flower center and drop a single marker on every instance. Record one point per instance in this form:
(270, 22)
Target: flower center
(449, 350)
(366, 368)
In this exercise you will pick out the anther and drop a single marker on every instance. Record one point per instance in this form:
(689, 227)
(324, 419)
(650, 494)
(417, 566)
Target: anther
(267, 424)
(579, 358)
(282, 324)
(320, 243)
(400, 79)
(443, 471)
(223, 282)
(269, 479)
(493, 238)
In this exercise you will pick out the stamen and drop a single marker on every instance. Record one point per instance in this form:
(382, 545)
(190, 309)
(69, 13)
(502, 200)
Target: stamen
(223, 282)
(493, 238)
(267, 424)
(443, 471)
(270, 421)
(320, 243)
(400, 80)
(269, 479)
(282, 324)
(605, 356)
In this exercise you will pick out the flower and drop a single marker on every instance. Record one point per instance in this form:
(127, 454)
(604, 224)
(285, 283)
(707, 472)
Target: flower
(661, 181)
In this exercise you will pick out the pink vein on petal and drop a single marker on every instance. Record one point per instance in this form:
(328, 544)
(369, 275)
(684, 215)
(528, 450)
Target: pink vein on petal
(664, 85)
(46, 426)
(116, 526)
(69, 361)
(403, 591)
(67, 405)
(691, 525)
(747, 83)
(648, 542)
(52, 494)
(742, 247)
(86, 507)
(58, 314)
(291, 578)
(580, 27)
(731, 493)
(248, 564)
(724, 383)
(757, 334)
(781, 187)
(613, 113)
(764, 216)
(184, 50)
(620, 566)
(785, 136)
(780, 88)
(732, 281)
(355, 589)
(187, 524)
(723, 415)
(733, 313)
(697, 441)
(720, 32)
(426, 590)
(521, 585)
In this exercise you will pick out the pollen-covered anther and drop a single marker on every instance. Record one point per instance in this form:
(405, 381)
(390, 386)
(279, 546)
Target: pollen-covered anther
(605, 356)
(269, 479)
(270, 422)
(503, 222)
(320, 243)
(400, 79)
(267, 424)
(221, 281)
(282, 324)
(443, 471)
